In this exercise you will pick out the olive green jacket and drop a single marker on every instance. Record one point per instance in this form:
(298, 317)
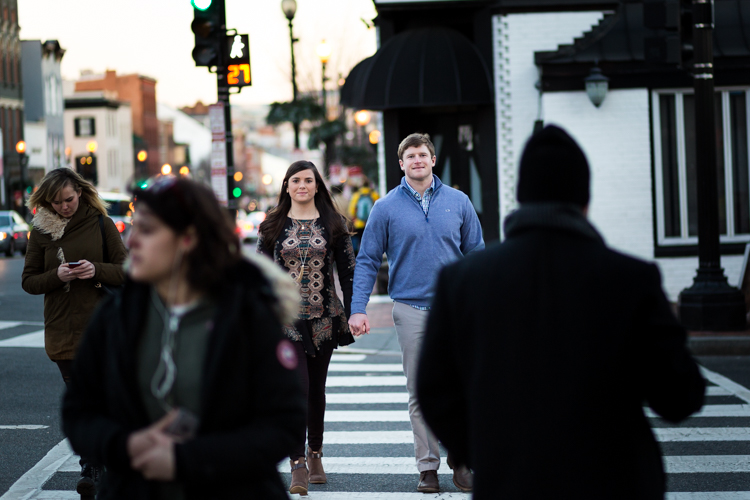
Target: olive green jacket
(68, 306)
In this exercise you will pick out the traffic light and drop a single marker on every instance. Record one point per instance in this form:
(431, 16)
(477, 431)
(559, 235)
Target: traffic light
(207, 24)
(672, 25)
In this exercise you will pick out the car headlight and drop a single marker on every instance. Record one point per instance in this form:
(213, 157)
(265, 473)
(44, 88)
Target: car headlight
(3, 236)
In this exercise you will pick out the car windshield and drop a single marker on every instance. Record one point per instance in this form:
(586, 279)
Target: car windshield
(4, 220)
(120, 208)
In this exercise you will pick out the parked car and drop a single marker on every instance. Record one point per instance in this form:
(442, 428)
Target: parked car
(247, 225)
(14, 233)
(120, 211)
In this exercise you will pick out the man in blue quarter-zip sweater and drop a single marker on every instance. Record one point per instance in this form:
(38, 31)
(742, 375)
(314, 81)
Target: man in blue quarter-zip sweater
(421, 225)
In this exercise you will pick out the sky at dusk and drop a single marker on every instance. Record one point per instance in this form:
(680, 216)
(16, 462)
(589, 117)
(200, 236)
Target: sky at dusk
(153, 38)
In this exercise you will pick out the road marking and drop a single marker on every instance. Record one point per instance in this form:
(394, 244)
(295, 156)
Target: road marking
(707, 464)
(692, 434)
(715, 411)
(57, 495)
(717, 391)
(33, 339)
(367, 397)
(369, 465)
(367, 416)
(32, 482)
(733, 387)
(9, 324)
(369, 437)
(709, 495)
(23, 427)
(377, 495)
(367, 367)
(398, 381)
(351, 358)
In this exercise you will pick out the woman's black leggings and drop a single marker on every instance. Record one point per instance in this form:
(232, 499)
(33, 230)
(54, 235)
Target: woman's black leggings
(66, 370)
(313, 373)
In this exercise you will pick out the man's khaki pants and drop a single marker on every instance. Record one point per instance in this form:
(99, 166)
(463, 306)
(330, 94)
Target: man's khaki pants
(410, 326)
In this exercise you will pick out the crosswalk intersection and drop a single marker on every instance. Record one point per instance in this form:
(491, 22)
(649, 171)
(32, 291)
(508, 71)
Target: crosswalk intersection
(368, 444)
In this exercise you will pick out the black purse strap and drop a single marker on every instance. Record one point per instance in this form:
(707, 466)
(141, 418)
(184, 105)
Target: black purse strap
(105, 252)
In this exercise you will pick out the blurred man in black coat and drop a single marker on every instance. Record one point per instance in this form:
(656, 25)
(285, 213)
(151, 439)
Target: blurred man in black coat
(541, 352)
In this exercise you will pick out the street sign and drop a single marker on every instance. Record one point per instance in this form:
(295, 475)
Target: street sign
(238, 62)
(218, 153)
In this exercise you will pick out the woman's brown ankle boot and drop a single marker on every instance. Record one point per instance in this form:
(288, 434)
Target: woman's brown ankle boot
(317, 474)
(299, 477)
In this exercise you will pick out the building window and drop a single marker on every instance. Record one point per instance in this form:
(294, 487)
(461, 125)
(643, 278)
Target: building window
(676, 169)
(85, 126)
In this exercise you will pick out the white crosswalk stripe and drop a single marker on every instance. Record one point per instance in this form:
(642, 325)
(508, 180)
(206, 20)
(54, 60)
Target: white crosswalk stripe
(361, 424)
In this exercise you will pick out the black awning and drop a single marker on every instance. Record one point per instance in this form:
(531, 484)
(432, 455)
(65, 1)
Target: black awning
(616, 45)
(422, 67)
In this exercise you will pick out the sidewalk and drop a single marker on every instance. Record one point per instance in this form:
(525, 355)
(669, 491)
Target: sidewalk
(382, 338)
(719, 343)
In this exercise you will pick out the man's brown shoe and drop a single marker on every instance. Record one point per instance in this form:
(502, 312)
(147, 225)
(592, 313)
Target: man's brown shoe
(428, 482)
(317, 474)
(462, 477)
(299, 477)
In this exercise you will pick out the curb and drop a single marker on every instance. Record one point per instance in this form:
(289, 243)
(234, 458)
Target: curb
(736, 344)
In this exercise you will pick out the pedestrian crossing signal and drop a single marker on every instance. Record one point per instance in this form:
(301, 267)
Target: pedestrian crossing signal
(238, 65)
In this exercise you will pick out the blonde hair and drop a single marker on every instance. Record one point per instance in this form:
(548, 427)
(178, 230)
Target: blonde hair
(56, 180)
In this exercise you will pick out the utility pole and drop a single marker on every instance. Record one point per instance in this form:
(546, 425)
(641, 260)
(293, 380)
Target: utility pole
(710, 303)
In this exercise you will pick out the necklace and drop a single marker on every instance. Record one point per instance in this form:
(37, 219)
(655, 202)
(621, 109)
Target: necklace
(303, 258)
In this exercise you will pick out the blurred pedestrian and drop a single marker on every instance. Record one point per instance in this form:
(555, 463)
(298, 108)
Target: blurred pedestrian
(308, 237)
(540, 352)
(74, 252)
(184, 386)
(421, 225)
(339, 199)
(360, 207)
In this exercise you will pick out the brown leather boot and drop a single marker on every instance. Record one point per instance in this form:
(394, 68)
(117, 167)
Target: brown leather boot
(462, 476)
(299, 477)
(317, 474)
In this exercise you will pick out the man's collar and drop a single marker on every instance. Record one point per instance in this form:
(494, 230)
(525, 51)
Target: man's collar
(414, 191)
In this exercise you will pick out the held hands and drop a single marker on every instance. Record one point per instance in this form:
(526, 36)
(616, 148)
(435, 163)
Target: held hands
(151, 450)
(84, 272)
(359, 324)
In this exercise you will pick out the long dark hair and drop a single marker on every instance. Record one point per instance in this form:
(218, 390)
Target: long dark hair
(182, 203)
(331, 218)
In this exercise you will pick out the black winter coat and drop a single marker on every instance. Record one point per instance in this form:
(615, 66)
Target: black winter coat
(539, 356)
(252, 406)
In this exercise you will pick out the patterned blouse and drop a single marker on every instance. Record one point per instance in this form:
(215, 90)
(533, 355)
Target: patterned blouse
(304, 248)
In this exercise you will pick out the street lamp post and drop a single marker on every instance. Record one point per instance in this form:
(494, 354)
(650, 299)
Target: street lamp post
(324, 53)
(710, 304)
(290, 8)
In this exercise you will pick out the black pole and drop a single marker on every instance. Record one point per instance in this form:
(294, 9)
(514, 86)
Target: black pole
(294, 85)
(223, 97)
(710, 303)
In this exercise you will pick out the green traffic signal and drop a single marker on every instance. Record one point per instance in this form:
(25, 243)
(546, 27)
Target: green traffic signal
(237, 192)
(201, 4)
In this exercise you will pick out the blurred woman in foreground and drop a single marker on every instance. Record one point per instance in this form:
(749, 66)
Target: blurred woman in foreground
(184, 386)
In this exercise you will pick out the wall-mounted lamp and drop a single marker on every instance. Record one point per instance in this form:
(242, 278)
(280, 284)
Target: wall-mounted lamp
(596, 86)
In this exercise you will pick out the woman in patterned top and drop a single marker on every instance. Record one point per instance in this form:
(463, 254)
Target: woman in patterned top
(306, 235)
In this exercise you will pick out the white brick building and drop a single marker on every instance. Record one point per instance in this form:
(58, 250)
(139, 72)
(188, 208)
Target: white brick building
(643, 191)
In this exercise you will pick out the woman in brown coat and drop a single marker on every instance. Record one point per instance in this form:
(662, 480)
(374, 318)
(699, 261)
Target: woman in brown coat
(69, 222)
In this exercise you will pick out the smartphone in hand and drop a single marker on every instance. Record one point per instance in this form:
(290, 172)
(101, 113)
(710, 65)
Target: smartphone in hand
(73, 265)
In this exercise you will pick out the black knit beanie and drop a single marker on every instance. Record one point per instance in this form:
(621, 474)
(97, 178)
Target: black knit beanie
(553, 168)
